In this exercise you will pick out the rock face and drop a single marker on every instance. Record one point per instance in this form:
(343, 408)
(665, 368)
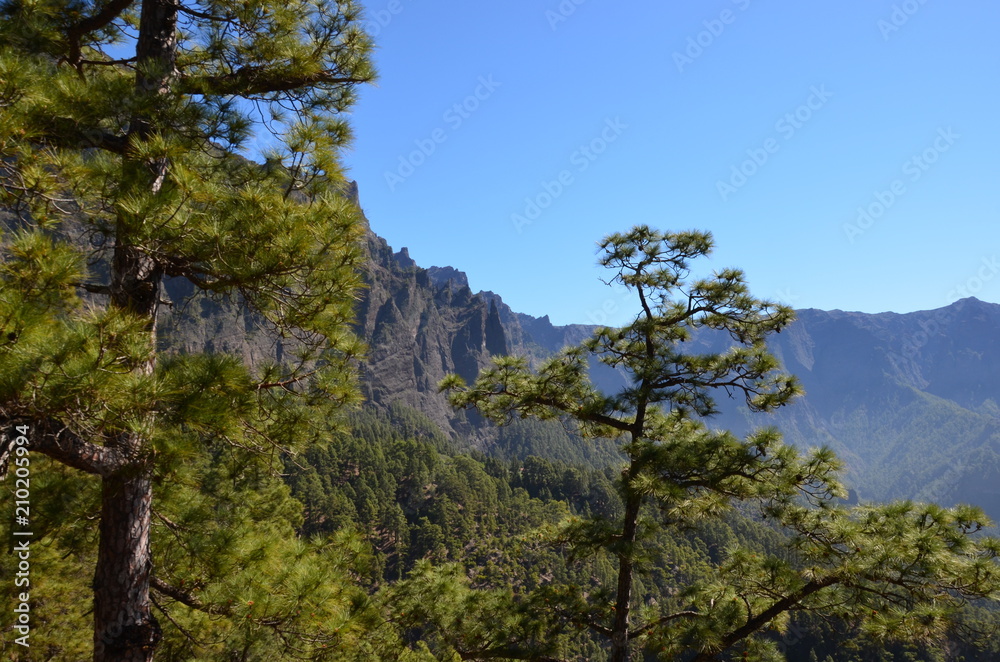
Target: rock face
(193, 323)
(423, 324)
(449, 276)
(420, 329)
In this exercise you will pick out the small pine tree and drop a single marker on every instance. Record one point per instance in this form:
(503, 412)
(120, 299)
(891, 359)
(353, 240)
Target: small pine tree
(900, 569)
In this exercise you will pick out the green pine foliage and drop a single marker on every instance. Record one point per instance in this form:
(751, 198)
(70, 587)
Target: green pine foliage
(470, 556)
(123, 130)
(415, 503)
(552, 440)
(207, 507)
(899, 571)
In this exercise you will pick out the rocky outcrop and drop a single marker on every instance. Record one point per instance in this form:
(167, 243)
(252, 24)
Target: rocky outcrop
(420, 329)
(422, 324)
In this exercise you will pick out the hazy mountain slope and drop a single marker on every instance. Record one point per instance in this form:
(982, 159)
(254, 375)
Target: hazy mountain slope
(908, 401)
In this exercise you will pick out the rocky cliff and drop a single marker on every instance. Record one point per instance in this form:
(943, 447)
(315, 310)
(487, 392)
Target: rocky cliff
(419, 330)
(422, 324)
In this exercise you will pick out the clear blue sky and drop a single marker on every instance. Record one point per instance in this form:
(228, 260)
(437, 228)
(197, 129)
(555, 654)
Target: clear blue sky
(608, 114)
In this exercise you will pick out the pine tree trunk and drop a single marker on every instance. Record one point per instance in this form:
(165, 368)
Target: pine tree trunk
(125, 630)
(619, 632)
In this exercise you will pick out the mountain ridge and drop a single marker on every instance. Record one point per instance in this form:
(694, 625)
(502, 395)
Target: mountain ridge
(908, 400)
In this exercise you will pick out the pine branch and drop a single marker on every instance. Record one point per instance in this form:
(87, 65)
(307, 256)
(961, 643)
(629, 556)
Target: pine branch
(286, 383)
(202, 15)
(57, 441)
(93, 288)
(755, 623)
(186, 598)
(638, 632)
(75, 33)
(67, 134)
(106, 63)
(254, 81)
(180, 628)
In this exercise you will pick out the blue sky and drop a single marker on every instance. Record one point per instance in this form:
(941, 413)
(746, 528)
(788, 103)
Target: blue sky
(845, 155)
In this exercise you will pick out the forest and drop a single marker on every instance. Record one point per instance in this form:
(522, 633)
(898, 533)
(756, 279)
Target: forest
(196, 467)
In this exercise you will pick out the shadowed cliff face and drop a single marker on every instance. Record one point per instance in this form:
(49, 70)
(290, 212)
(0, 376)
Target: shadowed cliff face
(418, 331)
(422, 324)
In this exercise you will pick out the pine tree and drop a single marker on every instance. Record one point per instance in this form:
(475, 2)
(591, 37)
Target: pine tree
(901, 569)
(122, 125)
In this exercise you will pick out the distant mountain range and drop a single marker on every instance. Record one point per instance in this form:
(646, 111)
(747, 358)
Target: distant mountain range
(908, 401)
(422, 324)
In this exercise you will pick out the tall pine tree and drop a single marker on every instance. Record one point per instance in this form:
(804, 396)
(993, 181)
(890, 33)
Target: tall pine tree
(122, 125)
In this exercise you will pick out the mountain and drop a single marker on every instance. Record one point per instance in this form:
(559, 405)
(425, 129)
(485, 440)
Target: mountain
(422, 324)
(418, 331)
(908, 401)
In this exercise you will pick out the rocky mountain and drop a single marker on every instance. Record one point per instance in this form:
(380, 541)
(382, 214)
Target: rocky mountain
(909, 401)
(419, 330)
(422, 324)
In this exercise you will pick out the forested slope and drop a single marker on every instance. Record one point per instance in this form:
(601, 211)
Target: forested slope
(445, 529)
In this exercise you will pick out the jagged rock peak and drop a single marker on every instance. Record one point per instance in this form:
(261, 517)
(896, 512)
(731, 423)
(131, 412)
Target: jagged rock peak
(351, 192)
(449, 277)
(403, 258)
(496, 338)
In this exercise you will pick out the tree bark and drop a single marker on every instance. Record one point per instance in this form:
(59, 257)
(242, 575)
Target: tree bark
(125, 629)
(620, 630)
